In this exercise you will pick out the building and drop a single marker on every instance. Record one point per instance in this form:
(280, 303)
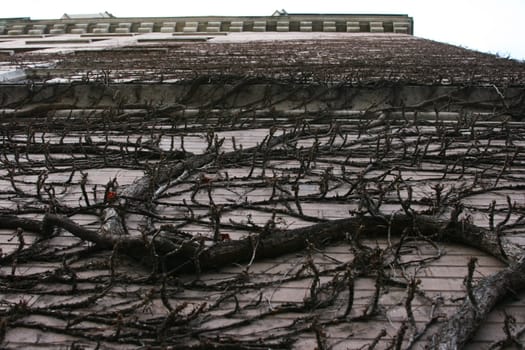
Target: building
(290, 181)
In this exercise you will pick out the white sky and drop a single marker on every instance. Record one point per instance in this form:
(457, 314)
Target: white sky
(495, 26)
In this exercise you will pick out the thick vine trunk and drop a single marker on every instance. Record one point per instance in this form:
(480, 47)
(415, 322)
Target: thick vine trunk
(278, 243)
(461, 326)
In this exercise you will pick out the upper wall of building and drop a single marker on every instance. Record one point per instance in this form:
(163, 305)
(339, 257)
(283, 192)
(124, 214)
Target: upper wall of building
(281, 23)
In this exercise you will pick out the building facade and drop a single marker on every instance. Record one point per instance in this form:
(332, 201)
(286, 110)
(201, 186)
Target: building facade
(290, 181)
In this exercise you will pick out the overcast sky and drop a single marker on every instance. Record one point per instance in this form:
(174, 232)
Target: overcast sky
(495, 26)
